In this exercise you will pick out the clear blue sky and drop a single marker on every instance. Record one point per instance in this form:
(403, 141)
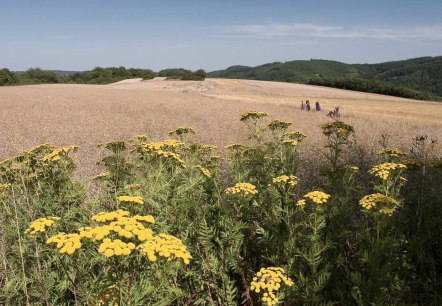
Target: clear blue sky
(83, 34)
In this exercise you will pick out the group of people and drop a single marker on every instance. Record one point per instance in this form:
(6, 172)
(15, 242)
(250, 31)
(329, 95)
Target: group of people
(306, 106)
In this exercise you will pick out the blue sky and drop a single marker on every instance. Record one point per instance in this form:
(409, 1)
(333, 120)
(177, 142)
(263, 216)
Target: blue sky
(83, 34)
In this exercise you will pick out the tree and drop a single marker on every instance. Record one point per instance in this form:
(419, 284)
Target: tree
(7, 77)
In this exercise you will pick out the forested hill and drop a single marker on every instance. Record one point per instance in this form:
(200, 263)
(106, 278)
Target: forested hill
(418, 78)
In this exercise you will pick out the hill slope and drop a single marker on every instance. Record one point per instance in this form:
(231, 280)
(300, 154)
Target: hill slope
(419, 78)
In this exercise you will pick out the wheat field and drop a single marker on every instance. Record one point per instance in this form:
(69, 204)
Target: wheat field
(86, 115)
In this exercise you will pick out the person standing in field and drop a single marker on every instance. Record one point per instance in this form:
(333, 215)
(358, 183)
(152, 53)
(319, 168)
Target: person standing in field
(318, 107)
(307, 105)
(302, 105)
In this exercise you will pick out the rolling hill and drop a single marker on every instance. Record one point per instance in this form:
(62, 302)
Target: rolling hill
(418, 78)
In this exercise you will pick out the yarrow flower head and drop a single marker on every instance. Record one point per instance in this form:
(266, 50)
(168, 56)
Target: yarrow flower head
(40, 225)
(314, 197)
(379, 202)
(131, 199)
(267, 282)
(384, 170)
(242, 188)
(252, 115)
(289, 180)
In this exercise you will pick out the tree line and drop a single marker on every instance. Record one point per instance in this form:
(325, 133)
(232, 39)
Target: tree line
(97, 75)
(373, 86)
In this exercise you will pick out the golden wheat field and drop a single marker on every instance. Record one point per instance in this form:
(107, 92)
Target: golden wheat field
(86, 115)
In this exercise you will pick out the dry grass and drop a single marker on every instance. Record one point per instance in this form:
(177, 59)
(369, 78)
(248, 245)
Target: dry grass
(86, 115)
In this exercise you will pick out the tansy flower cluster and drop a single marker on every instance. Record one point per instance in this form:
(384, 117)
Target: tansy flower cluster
(170, 155)
(109, 295)
(384, 170)
(166, 144)
(391, 152)
(291, 180)
(66, 243)
(129, 199)
(337, 127)
(118, 236)
(40, 225)
(45, 147)
(115, 146)
(182, 131)
(235, 147)
(290, 142)
(209, 147)
(435, 164)
(252, 115)
(352, 168)
(165, 246)
(268, 281)
(278, 125)
(117, 247)
(162, 149)
(102, 175)
(57, 154)
(380, 202)
(204, 171)
(315, 197)
(295, 135)
(410, 163)
(140, 138)
(243, 188)
(4, 187)
(132, 186)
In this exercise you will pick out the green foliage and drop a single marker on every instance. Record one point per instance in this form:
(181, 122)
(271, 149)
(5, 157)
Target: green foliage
(373, 86)
(39, 76)
(419, 78)
(110, 75)
(338, 245)
(183, 74)
(7, 77)
(423, 73)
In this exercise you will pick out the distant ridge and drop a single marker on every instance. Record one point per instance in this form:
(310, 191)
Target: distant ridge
(417, 78)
